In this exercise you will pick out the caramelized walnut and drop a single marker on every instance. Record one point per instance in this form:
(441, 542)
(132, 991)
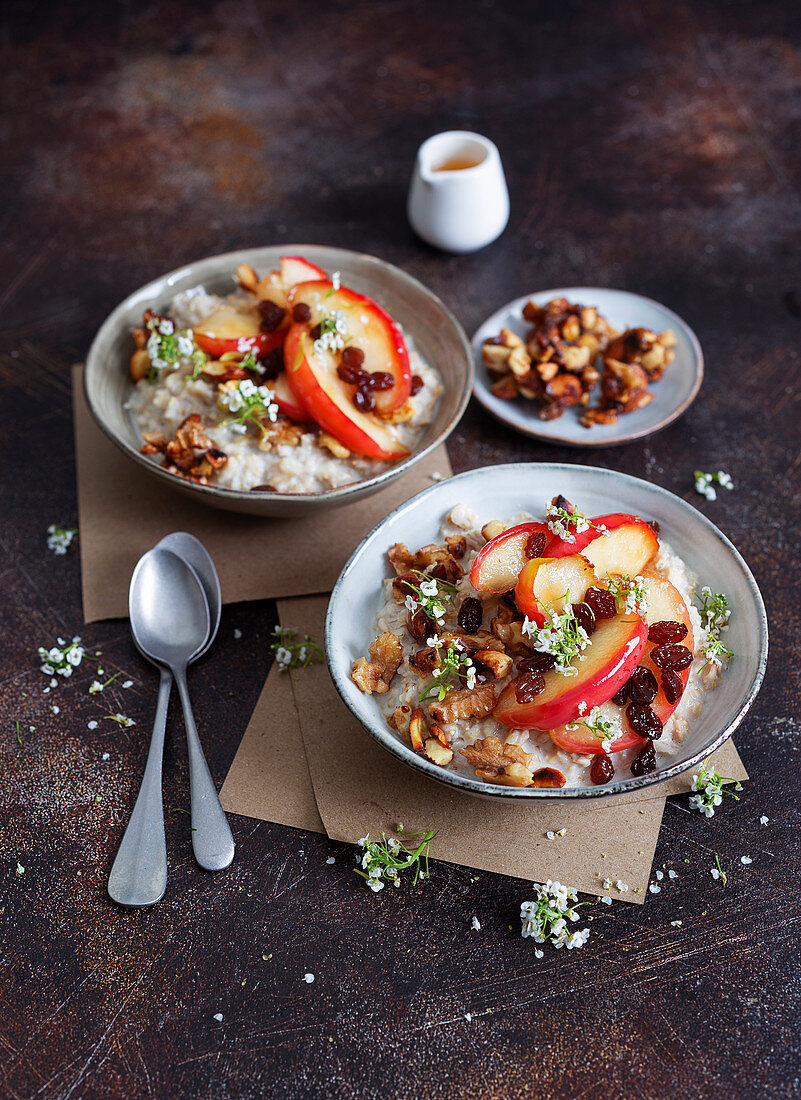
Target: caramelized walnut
(375, 675)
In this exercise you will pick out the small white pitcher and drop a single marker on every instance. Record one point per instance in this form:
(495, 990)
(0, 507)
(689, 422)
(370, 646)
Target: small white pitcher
(458, 200)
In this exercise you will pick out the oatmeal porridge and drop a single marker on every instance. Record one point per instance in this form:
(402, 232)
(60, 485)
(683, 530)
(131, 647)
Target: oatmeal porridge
(544, 653)
(293, 384)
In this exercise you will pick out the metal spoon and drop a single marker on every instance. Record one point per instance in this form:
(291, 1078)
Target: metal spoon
(193, 551)
(171, 626)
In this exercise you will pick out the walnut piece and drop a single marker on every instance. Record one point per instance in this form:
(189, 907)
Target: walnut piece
(493, 762)
(181, 455)
(475, 702)
(375, 675)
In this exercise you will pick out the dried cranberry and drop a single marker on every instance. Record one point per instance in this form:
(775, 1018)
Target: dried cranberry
(271, 315)
(470, 615)
(601, 603)
(667, 632)
(417, 384)
(272, 364)
(671, 656)
(643, 721)
(380, 380)
(535, 545)
(602, 769)
(672, 686)
(644, 761)
(584, 617)
(364, 400)
(537, 662)
(352, 356)
(642, 686)
(316, 332)
(301, 313)
(621, 697)
(529, 686)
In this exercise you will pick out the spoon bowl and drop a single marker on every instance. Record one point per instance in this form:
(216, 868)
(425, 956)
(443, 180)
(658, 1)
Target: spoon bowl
(169, 612)
(193, 552)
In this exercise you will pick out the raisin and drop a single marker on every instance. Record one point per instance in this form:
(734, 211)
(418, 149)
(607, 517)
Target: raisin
(271, 315)
(364, 400)
(470, 615)
(642, 686)
(584, 617)
(621, 697)
(352, 356)
(316, 332)
(301, 313)
(601, 603)
(602, 769)
(667, 632)
(643, 721)
(529, 686)
(653, 524)
(644, 761)
(420, 626)
(537, 662)
(671, 656)
(535, 545)
(380, 380)
(672, 686)
(272, 364)
(417, 384)
(354, 376)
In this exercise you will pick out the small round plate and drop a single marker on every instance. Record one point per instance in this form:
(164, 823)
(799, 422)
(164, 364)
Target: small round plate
(673, 394)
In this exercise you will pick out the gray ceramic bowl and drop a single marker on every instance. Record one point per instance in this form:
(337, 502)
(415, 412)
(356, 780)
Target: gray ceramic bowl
(498, 491)
(438, 335)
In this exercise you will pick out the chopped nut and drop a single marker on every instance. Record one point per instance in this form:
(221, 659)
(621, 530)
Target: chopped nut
(139, 366)
(547, 370)
(474, 702)
(495, 356)
(437, 753)
(401, 588)
(403, 560)
(506, 764)
(401, 718)
(547, 777)
(511, 339)
(424, 661)
(155, 443)
(472, 643)
(375, 675)
(505, 388)
(457, 545)
(564, 390)
(247, 277)
(492, 529)
(397, 416)
(576, 358)
(520, 362)
(417, 729)
(637, 400)
(337, 449)
(498, 664)
(440, 735)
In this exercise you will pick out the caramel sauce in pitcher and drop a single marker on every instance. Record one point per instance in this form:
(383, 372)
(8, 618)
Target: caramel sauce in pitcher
(456, 164)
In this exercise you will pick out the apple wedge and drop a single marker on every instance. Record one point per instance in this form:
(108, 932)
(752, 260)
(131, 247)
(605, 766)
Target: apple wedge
(626, 549)
(294, 270)
(286, 401)
(552, 583)
(498, 563)
(583, 740)
(369, 328)
(561, 547)
(665, 604)
(227, 329)
(313, 379)
(604, 666)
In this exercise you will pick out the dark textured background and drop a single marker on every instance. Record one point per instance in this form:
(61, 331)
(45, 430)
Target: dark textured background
(651, 146)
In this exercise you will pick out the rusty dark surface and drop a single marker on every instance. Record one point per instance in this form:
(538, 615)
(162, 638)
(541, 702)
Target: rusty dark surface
(647, 146)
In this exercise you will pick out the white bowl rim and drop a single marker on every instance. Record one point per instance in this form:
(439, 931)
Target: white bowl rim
(482, 393)
(404, 753)
(242, 255)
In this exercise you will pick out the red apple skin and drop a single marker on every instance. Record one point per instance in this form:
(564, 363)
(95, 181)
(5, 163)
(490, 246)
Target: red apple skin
(286, 401)
(560, 547)
(613, 654)
(296, 269)
(371, 328)
(512, 544)
(313, 380)
(241, 332)
(578, 577)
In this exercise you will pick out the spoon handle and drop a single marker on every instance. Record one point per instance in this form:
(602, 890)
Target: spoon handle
(212, 840)
(139, 874)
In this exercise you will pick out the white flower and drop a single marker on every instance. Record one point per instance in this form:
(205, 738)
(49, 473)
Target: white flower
(764, 820)
(375, 885)
(475, 925)
(746, 859)
(186, 345)
(336, 280)
(166, 327)
(308, 978)
(95, 687)
(247, 387)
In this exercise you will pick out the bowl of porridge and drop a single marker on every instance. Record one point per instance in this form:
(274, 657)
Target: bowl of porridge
(547, 631)
(277, 381)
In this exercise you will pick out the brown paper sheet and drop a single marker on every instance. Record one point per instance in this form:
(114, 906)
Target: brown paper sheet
(359, 787)
(123, 512)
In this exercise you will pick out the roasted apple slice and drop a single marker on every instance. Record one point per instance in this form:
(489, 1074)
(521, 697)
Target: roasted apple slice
(552, 583)
(294, 270)
(626, 549)
(581, 739)
(498, 563)
(368, 328)
(313, 379)
(227, 329)
(604, 666)
(286, 401)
